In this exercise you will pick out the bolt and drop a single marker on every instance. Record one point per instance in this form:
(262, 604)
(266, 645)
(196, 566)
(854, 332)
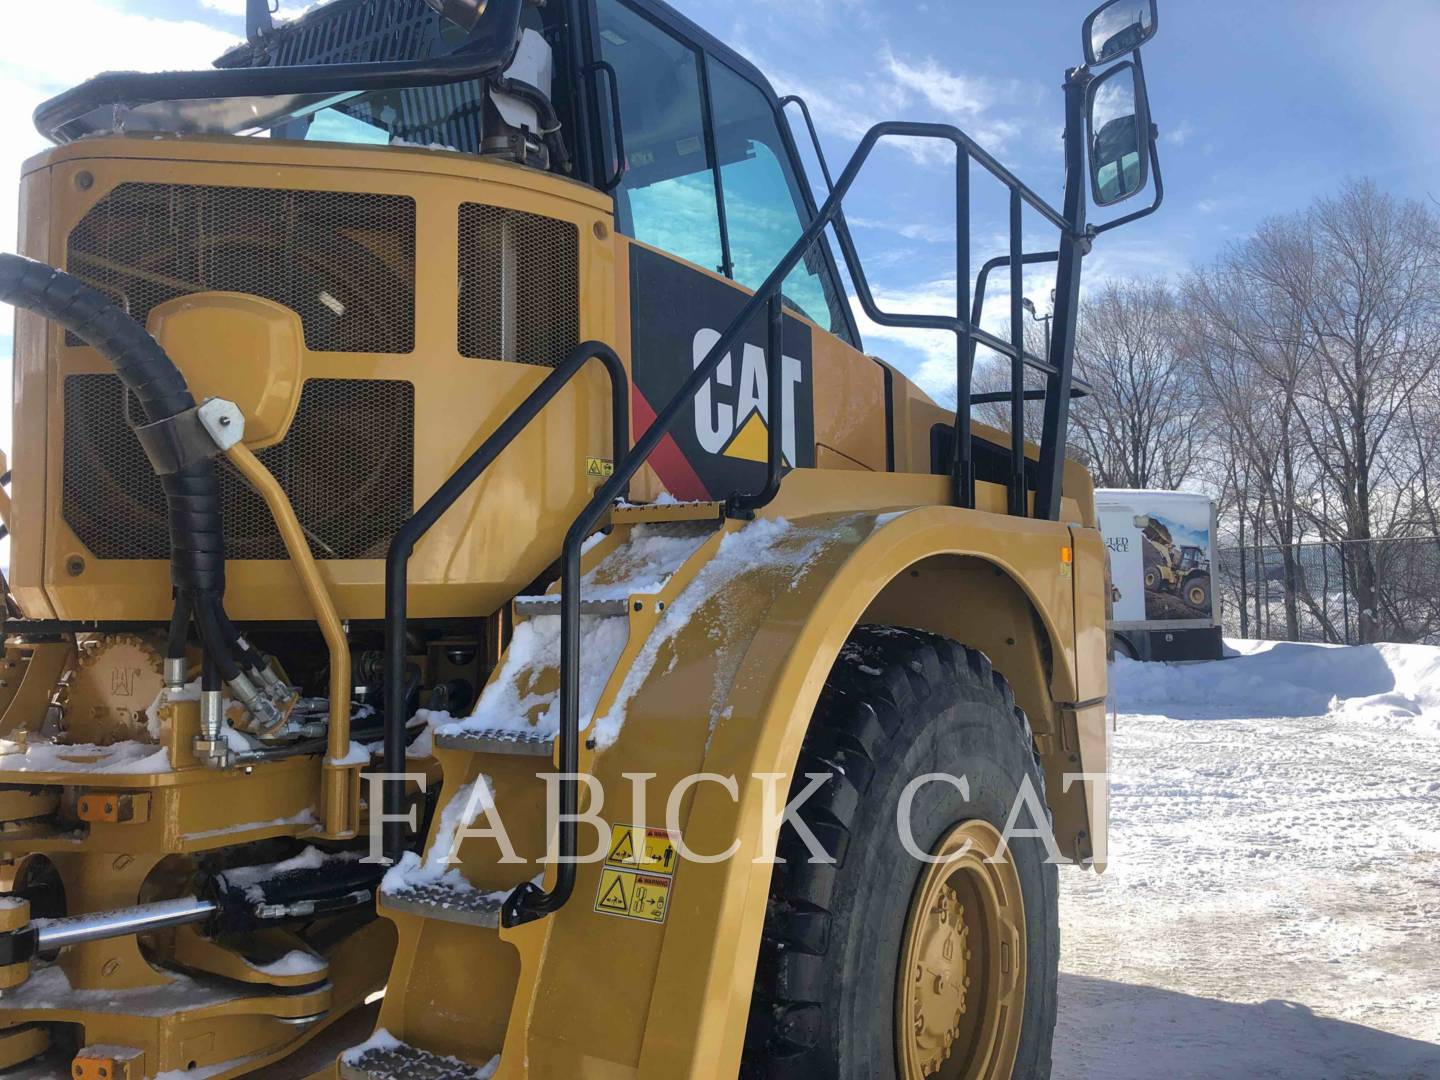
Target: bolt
(224, 421)
(75, 565)
(84, 181)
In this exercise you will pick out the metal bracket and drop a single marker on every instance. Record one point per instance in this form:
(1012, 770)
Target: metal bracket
(197, 434)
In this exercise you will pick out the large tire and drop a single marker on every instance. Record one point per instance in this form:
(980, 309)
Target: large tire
(898, 704)
(1197, 592)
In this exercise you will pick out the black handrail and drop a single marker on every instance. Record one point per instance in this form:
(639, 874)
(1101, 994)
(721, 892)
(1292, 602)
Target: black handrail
(774, 458)
(397, 560)
(530, 901)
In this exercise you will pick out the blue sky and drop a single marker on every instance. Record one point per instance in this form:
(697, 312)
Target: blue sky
(1262, 107)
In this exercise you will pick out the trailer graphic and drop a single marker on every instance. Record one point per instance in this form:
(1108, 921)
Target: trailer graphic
(1161, 546)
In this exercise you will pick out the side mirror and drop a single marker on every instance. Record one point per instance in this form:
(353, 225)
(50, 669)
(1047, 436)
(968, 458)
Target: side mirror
(1118, 135)
(1118, 27)
(463, 13)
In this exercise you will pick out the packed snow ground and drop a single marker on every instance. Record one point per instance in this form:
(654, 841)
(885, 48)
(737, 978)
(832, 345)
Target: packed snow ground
(1272, 907)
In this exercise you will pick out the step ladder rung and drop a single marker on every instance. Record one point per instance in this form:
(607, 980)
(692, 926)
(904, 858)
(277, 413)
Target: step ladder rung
(498, 741)
(401, 1061)
(657, 513)
(446, 903)
(550, 605)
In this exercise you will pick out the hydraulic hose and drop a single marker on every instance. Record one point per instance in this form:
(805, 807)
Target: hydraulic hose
(197, 543)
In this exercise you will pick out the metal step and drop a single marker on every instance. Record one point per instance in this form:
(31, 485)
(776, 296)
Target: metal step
(446, 904)
(550, 605)
(400, 1061)
(656, 513)
(498, 741)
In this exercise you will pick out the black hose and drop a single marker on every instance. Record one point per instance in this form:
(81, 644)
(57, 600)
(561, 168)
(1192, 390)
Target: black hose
(549, 118)
(197, 542)
(247, 654)
(179, 627)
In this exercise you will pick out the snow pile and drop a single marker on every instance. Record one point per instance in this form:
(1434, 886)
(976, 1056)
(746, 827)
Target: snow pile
(120, 757)
(513, 702)
(1393, 686)
(764, 542)
(461, 812)
(524, 694)
(383, 1040)
(511, 699)
(237, 741)
(1269, 907)
(295, 962)
(250, 878)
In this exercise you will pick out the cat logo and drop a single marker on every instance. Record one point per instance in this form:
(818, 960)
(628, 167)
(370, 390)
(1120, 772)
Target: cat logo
(732, 418)
(720, 443)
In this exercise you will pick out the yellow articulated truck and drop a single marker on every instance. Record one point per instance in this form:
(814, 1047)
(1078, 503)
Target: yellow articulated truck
(475, 610)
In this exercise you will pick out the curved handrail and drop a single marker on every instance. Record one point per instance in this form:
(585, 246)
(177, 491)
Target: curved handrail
(397, 560)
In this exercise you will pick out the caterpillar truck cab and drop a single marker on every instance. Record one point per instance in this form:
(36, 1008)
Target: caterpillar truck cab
(474, 609)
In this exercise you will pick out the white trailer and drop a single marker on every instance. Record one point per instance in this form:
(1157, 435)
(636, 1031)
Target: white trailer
(1162, 548)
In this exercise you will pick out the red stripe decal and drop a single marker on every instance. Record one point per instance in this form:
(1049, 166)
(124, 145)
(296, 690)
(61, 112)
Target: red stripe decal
(668, 460)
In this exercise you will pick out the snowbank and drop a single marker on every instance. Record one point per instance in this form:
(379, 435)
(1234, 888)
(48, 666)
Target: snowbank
(1394, 686)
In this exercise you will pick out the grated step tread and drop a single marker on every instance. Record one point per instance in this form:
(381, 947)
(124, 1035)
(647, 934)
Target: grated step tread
(498, 741)
(446, 903)
(550, 605)
(402, 1061)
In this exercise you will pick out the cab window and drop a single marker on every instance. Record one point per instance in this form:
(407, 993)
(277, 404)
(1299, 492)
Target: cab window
(667, 197)
(764, 208)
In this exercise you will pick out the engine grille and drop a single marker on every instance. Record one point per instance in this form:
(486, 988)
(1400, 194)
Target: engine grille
(347, 465)
(345, 263)
(519, 286)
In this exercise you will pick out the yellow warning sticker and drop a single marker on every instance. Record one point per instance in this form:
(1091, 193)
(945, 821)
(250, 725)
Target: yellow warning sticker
(637, 847)
(595, 466)
(633, 895)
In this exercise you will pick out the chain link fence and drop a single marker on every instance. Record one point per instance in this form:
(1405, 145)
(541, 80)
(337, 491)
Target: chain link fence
(1310, 591)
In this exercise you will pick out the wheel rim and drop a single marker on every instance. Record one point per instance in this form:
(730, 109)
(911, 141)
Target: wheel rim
(1197, 596)
(960, 998)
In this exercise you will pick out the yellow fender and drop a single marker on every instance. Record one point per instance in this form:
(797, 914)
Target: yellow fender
(729, 691)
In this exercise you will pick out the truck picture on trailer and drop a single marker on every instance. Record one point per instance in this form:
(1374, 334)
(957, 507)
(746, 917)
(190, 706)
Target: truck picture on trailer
(1161, 546)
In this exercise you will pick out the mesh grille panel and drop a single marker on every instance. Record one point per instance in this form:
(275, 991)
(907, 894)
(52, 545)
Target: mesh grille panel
(519, 286)
(347, 465)
(345, 263)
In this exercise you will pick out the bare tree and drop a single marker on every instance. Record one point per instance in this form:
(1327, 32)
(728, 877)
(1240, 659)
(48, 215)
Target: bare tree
(1317, 344)
(1142, 426)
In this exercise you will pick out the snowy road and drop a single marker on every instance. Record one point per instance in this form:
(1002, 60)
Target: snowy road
(1272, 907)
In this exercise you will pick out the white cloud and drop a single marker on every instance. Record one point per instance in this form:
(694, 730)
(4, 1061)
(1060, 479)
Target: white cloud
(47, 48)
(935, 349)
(1180, 134)
(289, 9)
(898, 90)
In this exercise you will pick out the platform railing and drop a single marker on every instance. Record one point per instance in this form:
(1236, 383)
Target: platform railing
(530, 901)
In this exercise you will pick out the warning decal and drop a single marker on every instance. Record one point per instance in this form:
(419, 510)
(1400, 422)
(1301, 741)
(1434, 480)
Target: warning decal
(632, 895)
(636, 847)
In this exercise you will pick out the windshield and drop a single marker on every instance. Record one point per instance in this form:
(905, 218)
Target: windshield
(446, 116)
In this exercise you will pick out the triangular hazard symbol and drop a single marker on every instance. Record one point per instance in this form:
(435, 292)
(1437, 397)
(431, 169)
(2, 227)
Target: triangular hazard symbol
(624, 849)
(750, 441)
(614, 898)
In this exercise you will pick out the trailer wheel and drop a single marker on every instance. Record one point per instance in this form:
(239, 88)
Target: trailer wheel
(1197, 592)
(883, 966)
